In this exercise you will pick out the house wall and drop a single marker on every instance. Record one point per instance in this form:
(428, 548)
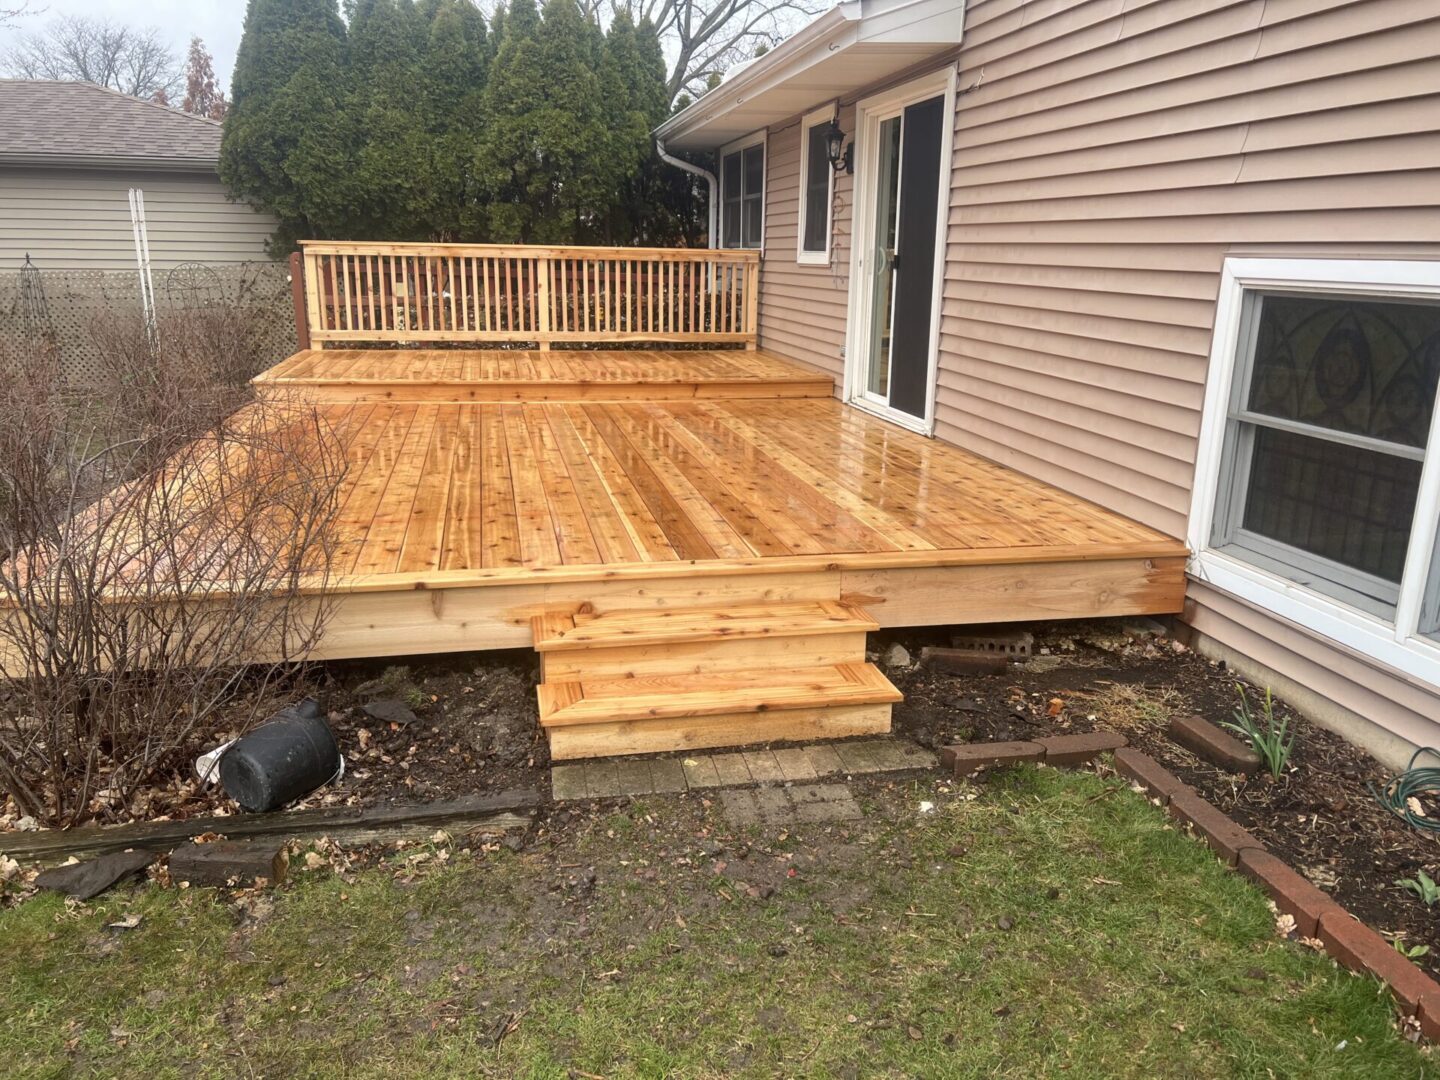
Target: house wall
(68, 219)
(1108, 155)
(803, 307)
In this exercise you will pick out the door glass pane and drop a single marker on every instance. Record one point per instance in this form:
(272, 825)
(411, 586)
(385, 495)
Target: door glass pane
(817, 190)
(1361, 366)
(1430, 604)
(887, 206)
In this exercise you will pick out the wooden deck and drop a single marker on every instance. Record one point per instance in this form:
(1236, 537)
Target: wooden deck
(696, 542)
(647, 478)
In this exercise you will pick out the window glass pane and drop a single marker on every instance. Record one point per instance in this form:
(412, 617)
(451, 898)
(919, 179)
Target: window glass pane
(817, 190)
(1341, 503)
(730, 192)
(1362, 366)
(754, 216)
(755, 169)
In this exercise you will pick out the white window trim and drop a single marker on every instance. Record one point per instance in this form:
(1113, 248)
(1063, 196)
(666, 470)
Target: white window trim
(1397, 646)
(867, 127)
(759, 138)
(810, 121)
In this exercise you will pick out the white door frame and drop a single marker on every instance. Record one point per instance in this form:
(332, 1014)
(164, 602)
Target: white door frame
(869, 113)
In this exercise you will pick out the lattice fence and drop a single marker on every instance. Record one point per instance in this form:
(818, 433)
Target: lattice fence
(66, 304)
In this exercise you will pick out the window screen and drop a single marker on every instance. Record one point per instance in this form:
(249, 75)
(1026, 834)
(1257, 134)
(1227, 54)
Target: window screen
(742, 197)
(1326, 440)
(816, 235)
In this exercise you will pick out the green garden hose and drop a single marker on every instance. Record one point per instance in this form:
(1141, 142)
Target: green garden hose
(1395, 796)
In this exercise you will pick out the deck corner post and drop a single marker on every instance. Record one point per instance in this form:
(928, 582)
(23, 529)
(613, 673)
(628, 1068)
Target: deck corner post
(297, 299)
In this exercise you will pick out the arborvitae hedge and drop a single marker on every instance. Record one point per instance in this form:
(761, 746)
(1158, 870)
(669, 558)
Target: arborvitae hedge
(416, 121)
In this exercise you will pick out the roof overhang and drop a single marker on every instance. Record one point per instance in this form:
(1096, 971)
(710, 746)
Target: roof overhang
(139, 162)
(851, 46)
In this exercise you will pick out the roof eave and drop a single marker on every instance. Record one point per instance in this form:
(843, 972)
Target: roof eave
(850, 24)
(113, 161)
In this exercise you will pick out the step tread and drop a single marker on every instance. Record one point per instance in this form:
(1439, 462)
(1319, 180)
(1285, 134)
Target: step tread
(712, 694)
(651, 626)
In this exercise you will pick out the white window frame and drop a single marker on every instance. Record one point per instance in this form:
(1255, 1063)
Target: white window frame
(808, 123)
(869, 114)
(1398, 644)
(761, 139)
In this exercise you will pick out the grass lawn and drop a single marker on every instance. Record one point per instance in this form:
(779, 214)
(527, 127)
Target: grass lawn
(1048, 926)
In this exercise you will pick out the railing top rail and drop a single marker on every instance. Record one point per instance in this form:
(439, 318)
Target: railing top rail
(532, 251)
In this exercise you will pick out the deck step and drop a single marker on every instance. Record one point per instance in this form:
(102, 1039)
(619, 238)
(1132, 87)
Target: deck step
(677, 697)
(674, 626)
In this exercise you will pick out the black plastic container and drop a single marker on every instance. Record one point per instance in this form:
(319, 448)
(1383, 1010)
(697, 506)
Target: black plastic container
(289, 755)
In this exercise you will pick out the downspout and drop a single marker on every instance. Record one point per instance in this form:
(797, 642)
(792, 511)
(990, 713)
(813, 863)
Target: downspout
(714, 202)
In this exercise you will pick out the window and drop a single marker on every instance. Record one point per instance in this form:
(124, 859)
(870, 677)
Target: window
(1318, 485)
(817, 179)
(742, 195)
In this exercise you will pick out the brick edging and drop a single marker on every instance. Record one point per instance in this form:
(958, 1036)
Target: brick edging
(1349, 942)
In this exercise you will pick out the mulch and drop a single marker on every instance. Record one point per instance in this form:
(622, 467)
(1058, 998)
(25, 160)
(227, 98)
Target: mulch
(1320, 818)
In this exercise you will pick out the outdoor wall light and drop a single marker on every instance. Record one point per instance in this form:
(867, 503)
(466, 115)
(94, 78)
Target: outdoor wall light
(840, 155)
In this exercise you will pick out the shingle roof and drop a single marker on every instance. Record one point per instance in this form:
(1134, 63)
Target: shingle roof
(76, 123)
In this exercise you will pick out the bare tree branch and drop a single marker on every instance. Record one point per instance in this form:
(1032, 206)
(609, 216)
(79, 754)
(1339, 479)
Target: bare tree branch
(705, 37)
(125, 58)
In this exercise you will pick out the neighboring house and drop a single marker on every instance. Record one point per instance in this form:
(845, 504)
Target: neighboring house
(69, 154)
(1181, 257)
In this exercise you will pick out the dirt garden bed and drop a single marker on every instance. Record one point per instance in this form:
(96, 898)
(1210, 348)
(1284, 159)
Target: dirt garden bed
(1320, 818)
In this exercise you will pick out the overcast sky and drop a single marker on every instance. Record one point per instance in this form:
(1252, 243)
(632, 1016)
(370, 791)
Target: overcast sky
(217, 21)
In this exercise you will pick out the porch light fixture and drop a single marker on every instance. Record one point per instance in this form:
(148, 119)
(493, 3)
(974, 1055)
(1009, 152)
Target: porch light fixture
(841, 156)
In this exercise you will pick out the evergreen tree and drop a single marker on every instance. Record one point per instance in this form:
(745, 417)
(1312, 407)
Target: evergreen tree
(652, 200)
(542, 161)
(286, 146)
(456, 65)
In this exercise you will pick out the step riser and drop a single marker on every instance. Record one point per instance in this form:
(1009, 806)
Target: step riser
(701, 657)
(708, 732)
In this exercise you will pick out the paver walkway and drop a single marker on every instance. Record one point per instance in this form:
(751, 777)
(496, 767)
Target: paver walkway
(649, 776)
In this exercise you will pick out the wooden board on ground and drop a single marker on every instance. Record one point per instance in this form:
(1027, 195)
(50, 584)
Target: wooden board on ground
(347, 824)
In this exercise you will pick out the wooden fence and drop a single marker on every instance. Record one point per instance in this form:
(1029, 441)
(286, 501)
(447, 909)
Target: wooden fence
(358, 292)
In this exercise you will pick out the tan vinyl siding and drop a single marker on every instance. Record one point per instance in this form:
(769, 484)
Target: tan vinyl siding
(80, 219)
(1110, 157)
(802, 308)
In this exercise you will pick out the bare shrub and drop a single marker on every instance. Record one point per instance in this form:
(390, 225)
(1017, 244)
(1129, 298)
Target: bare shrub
(164, 544)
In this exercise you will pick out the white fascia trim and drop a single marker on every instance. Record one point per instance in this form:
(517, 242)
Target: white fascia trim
(811, 120)
(1397, 645)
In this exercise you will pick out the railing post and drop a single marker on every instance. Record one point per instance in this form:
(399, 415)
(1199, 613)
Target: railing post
(752, 304)
(543, 265)
(314, 294)
(297, 300)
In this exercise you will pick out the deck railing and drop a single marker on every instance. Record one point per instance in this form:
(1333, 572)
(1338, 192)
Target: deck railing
(359, 292)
